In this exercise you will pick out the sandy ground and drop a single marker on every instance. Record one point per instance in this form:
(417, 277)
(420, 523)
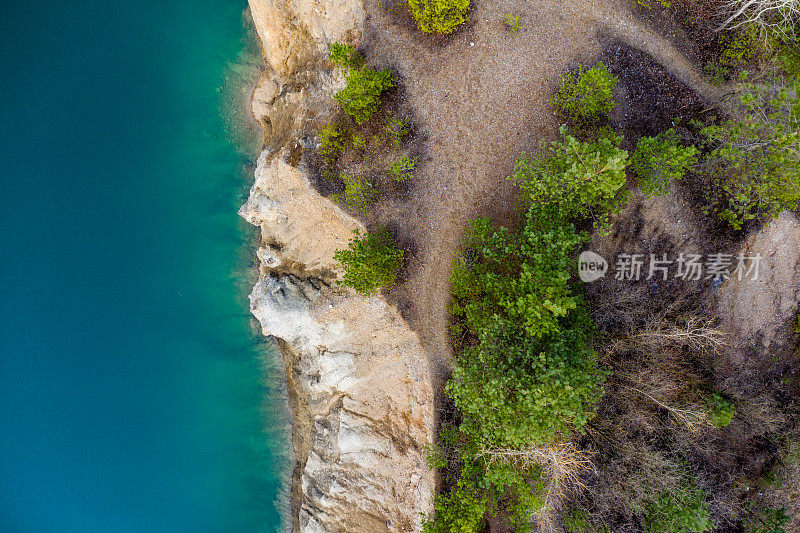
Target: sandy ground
(480, 98)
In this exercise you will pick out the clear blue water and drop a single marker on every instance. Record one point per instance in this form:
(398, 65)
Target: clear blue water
(134, 395)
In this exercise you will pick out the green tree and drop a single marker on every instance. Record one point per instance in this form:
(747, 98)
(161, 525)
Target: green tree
(753, 164)
(439, 16)
(584, 179)
(459, 510)
(585, 96)
(658, 161)
(514, 391)
(522, 276)
(370, 261)
(361, 98)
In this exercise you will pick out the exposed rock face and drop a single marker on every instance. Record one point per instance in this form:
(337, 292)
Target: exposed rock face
(358, 377)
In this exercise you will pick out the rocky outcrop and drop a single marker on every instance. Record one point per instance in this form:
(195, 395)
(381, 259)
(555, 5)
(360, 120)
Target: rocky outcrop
(358, 380)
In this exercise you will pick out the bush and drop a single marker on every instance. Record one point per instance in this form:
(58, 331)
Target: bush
(397, 130)
(720, 410)
(439, 16)
(403, 168)
(513, 23)
(361, 98)
(768, 521)
(658, 161)
(583, 179)
(359, 194)
(754, 162)
(371, 261)
(345, 56)
(683, 509)
(333, 141)
(585, 97)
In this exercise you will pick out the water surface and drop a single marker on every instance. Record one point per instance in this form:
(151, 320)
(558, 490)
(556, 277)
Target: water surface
(134, 395)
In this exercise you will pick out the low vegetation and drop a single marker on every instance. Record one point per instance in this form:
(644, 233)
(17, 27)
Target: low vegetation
(513, 23)
(402, 169)
(439, 16)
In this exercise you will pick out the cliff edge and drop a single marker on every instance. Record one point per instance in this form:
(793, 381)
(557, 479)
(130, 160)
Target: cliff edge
(358, 377)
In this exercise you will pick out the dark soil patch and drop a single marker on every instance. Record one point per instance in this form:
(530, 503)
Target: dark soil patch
(649, 98)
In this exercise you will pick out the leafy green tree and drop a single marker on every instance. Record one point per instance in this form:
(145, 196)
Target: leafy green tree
(439, 16)
(460, 510)
(754, 162)
(585, 96)
(514, 391)
(584, 179)
(524, 277)
(658, 161)
(370, 261)
(361, 98)
(481, 485)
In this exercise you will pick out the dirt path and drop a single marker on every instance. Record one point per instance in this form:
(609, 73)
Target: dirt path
(481, 99)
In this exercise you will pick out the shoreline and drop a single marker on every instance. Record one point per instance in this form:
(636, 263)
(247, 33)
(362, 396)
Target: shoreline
(357, 378)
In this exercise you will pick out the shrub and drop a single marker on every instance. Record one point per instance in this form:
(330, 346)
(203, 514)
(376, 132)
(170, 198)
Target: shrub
(459, 510)
(359, 194)
(585, 97)
(361, 98)
(333, 141)
(345, 56)
(683, 509)
(577, 521)
(397, 130)
(741, 46)
(371, 261)
(439, 16)
(359, 141)
(403, 168)
(754, 162)
(658, 161)
(720, 410)
(768, 521)
(583, 179)
(513, 23)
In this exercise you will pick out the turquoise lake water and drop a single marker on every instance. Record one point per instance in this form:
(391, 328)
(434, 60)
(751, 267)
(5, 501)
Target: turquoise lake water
(134, 393)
